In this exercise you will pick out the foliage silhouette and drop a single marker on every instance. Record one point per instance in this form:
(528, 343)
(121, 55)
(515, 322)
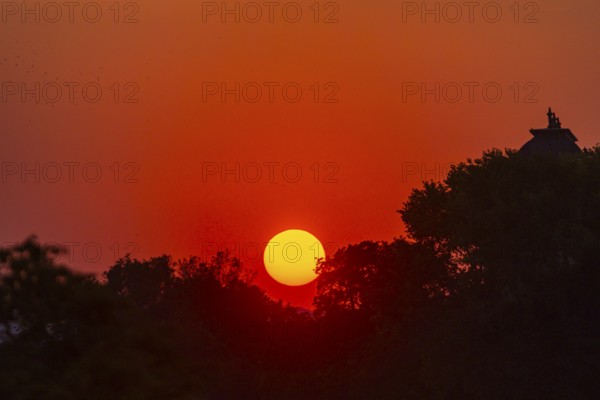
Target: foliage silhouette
(494, 294)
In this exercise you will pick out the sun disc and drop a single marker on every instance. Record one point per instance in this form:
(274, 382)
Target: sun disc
(291, 257)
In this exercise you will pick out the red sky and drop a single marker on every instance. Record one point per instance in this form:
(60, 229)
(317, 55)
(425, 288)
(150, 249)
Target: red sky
(371, 146)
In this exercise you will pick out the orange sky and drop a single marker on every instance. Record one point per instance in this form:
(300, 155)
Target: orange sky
(371, 145)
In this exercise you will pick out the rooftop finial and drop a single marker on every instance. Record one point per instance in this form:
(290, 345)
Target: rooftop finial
(553, 122)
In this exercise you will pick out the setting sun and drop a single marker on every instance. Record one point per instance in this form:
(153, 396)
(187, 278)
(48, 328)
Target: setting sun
(291, 257)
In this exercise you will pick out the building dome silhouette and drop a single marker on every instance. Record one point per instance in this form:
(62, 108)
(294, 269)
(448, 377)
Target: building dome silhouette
(552, 140)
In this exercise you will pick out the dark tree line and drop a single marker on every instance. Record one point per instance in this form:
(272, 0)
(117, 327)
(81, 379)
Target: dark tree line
(494, 294)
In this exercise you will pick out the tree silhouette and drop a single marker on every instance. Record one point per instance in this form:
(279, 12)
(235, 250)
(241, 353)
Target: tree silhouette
(65, 336)
(523, 233)
(377, 278)
(494, 294)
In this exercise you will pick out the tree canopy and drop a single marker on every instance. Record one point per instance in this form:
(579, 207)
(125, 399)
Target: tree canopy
(493, 293)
